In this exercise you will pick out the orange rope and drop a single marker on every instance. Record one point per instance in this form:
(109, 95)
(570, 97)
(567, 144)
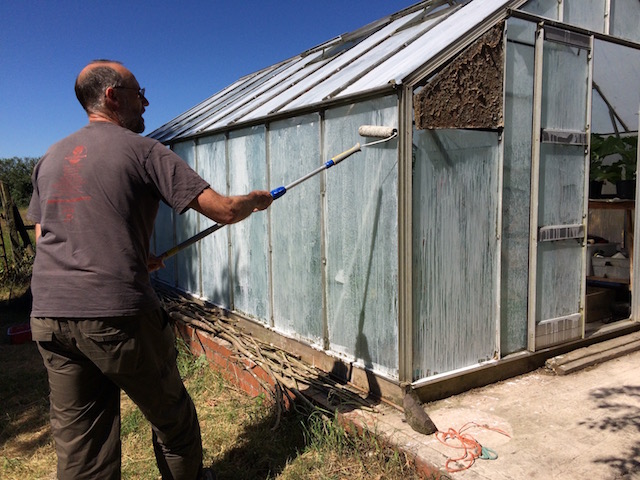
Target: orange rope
(470, 446)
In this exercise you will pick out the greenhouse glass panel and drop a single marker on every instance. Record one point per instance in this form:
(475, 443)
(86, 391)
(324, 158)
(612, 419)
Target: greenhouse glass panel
(563, 106)
(562, 171)
(521, 31)
(187, 225)
(455, 249)
(558, 286)
(587, 14)
(361, 237)
(613, 67)
(249, 238)
(516, 186)
(296, 233)
(625, 20)
(544, 8)
(163, 241)
(216, 278)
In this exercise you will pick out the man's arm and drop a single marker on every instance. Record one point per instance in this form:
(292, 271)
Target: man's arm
(232, 209)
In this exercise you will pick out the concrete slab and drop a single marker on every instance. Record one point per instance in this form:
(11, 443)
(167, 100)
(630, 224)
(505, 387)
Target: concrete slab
(585, 425)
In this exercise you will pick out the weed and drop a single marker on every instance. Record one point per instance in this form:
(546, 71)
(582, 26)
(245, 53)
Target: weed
(14, 280)
(322, 432)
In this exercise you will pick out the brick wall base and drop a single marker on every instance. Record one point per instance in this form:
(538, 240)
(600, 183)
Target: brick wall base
(242, 372)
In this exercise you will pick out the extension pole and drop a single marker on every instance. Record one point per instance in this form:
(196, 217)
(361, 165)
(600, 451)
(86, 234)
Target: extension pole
(275, 193)
(385, 133)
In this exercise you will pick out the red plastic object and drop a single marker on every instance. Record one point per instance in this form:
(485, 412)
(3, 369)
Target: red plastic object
(19, 333)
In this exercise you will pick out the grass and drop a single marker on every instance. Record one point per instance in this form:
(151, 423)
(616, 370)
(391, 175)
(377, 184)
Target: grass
(238, 436)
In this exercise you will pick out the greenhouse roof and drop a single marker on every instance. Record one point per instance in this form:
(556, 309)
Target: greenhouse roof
(374, 58)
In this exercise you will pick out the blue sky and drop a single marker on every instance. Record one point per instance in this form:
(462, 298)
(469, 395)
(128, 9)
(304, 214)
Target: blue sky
(182, 52)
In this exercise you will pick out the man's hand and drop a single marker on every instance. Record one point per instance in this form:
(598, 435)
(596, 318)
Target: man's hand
(263, 199)
(154, 263)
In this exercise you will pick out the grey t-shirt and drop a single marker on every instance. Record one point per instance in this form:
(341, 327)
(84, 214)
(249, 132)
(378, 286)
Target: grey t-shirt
(96, 196)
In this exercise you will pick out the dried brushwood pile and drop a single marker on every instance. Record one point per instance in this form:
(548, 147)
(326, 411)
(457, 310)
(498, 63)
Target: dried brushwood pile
(290, 375)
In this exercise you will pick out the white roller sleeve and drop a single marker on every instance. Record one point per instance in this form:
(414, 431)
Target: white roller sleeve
(376, 131)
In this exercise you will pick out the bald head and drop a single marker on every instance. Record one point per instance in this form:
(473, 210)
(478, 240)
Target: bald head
(94, 79)
(108, 91)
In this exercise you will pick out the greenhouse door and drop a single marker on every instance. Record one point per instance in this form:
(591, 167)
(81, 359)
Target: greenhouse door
(559, 168)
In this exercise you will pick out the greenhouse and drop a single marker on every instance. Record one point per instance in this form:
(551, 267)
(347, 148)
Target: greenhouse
(491, 228)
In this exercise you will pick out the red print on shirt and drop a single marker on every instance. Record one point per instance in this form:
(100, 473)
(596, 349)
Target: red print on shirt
(78, 154)
(69, 188)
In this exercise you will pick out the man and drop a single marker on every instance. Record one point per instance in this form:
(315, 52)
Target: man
(97, 321)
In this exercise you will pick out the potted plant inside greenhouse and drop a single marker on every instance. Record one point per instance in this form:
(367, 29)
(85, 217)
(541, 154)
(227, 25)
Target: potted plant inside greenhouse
(613, 159)
(599, 171)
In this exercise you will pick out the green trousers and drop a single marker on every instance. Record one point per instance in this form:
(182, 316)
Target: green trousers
(89, 361)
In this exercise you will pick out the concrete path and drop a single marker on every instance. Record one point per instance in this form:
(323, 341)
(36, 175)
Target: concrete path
(541, 425)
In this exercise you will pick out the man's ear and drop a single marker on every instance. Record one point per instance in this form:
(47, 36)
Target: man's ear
(111, 98)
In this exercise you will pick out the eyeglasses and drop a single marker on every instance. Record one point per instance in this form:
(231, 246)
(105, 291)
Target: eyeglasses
(140, 91)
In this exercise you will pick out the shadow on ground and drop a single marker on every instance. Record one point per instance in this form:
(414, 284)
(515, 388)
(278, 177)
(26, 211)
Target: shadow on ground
(14, 311)
(253, 458)
(622, 406)
(24, 389)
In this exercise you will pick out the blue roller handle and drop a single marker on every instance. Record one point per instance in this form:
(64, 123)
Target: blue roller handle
(275, 193)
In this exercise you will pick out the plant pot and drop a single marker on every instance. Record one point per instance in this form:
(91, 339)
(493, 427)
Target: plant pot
(626, 189)
(595, 189)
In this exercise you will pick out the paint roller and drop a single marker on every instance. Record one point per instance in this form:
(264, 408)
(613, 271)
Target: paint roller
(373, 131)
(385, 133)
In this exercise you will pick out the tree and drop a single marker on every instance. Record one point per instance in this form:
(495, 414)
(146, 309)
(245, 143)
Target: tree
(16, 174)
